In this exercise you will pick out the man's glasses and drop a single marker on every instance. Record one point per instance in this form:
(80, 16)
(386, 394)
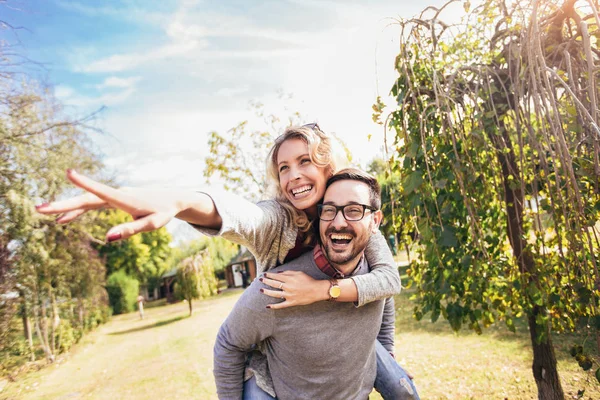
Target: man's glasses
(351, 212)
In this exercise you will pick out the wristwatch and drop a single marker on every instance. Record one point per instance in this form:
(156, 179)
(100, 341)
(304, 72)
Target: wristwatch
(334, 290)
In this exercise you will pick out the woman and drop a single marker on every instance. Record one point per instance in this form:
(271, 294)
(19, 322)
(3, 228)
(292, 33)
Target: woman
(276, 230)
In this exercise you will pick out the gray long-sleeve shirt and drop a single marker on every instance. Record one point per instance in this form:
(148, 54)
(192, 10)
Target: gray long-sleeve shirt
(324, 350)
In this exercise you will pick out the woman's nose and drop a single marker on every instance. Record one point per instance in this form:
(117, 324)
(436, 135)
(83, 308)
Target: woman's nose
(295, 173)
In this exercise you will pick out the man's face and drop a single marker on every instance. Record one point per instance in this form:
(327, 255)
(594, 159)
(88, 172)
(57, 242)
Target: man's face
(344, 241)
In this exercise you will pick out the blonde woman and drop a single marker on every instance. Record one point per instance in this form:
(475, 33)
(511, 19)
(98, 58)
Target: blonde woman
(277, 230)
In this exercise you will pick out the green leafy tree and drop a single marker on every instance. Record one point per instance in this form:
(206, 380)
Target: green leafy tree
(144, 256)
(196, 278)
(496, 130)
(50, 275)
(46, 264)
(123, 291)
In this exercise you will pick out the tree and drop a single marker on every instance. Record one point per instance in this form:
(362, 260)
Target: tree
(196, 278)
(496, 131)
(43, 262)
(393, 224)
(144, 256)
(46, 271)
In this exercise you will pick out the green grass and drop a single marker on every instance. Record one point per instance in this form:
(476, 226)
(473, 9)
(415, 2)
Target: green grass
(169, 355)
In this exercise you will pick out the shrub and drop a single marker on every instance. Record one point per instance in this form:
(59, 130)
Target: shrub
(66, 336)
(122, 292)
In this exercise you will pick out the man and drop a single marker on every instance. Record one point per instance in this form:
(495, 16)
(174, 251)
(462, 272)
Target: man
(324, 350)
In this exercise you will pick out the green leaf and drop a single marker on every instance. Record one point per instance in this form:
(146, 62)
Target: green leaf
(448, 238)
(510, 324)
(412, 182)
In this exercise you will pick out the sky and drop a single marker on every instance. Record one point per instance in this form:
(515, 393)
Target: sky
(166, 73)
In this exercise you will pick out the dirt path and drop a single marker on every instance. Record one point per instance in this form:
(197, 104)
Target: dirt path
(166, 355)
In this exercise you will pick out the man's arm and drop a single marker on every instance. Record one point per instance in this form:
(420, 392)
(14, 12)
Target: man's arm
(388, 321)
(248, 323)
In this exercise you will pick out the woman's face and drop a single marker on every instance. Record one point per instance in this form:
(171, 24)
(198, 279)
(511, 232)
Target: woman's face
(301, 181)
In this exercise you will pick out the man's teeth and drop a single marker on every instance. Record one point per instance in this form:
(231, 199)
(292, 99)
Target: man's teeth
(341, 236)
(301, 189)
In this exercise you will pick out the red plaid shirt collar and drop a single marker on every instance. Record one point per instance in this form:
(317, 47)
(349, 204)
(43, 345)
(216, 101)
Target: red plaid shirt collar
(325, 267)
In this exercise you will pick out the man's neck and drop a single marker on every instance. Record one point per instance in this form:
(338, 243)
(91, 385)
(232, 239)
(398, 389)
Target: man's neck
(349, 267)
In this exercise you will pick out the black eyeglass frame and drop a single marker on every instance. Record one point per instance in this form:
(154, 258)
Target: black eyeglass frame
(341, 208)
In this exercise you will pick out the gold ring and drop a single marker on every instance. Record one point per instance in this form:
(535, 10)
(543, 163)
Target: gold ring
(281, 286)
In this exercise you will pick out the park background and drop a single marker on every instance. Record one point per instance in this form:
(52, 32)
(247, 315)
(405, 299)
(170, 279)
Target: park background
(480, 120)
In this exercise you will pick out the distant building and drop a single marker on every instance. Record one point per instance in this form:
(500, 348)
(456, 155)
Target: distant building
(241, 270)
(167, 283)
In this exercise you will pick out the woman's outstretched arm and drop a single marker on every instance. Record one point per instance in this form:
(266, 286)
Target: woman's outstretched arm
(150, 209)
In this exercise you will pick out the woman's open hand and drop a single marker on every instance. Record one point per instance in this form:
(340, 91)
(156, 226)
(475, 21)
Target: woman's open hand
(295, 287)
(149, 209)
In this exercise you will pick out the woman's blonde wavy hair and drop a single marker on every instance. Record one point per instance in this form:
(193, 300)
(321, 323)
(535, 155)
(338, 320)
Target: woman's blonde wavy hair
(321, 154)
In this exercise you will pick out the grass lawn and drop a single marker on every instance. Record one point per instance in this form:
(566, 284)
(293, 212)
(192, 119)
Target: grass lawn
(169, 355)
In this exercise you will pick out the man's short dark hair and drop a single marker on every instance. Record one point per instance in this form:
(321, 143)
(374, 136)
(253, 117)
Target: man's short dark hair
(355, 174)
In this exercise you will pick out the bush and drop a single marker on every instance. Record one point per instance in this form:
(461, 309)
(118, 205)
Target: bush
(122, 292)
(66, 336)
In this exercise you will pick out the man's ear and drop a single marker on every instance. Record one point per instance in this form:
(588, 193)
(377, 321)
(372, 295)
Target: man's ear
(377, 218)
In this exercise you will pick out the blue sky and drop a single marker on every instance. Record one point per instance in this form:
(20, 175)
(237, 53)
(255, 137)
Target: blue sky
(170, 71)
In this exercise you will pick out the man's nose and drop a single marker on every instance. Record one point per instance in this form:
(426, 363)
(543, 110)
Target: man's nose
(339, 220)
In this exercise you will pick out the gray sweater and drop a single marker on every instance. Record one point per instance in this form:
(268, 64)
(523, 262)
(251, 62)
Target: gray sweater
(324, 350)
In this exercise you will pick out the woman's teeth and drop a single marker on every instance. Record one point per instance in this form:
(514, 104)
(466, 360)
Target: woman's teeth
(301, 190)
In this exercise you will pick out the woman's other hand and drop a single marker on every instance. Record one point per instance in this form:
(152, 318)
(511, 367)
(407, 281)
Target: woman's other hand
(150, 209)
(295, 287)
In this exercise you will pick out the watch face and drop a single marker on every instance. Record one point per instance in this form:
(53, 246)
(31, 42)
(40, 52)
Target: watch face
(335, 292)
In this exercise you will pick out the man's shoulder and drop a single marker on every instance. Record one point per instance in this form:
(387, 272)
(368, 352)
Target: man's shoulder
(304, 263)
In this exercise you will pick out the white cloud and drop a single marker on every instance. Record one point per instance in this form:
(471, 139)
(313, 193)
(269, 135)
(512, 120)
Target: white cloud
(126, 62)
(116, 82)
(123, 11)
(232, 91)
(71, 97)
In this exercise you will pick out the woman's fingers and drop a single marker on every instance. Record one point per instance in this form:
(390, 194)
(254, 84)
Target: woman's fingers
(86, 201)
(283, 304)
(272, 282)
(145, 224)
(70, 216)
(278, 294)
(114, 197)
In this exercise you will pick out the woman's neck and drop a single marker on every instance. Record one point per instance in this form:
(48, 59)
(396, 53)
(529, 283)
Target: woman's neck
(311, 212)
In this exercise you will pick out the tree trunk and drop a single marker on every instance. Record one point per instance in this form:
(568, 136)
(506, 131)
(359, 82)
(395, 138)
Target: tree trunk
(544, 362)
(544, 368)
(55, 321)
(41, 329)
(27, 325)
(190, 306)
(80, 311)
(28, 335)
